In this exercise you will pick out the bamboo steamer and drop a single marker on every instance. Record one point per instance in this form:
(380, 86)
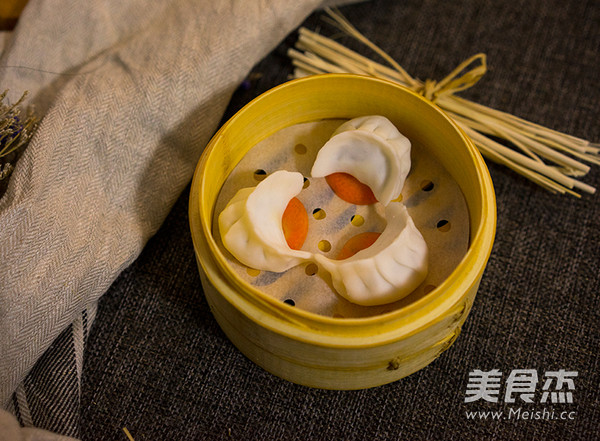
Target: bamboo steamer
(312, 349)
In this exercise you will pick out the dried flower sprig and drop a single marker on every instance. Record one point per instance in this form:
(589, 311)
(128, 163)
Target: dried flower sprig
(544, 156)
(14, 132)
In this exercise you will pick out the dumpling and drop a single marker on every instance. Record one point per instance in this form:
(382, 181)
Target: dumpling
(251, 224)
(371, 149)
(389, 269)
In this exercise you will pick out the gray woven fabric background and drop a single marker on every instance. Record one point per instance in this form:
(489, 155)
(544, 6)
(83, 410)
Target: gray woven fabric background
(158, 364)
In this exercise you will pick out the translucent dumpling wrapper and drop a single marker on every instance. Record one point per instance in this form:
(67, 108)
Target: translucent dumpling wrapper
(251, 224)
(388, 270)
(375, 279)
(371, 149)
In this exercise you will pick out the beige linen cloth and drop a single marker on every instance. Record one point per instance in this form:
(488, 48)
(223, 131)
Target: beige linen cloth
(130, 92)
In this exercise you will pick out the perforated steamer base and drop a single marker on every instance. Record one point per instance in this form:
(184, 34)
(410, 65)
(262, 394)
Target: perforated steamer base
(433, 199)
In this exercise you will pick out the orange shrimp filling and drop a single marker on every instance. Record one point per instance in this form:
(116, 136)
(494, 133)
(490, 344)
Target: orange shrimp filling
(350, 189)
(295, 218)
(357, 243)
(295, 224)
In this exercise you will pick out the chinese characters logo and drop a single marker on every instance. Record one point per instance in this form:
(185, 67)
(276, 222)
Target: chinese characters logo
(521, 384)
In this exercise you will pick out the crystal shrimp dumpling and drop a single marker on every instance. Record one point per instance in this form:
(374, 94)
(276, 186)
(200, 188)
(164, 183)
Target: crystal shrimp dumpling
(386, 271)
(251, 224)
(374, 152)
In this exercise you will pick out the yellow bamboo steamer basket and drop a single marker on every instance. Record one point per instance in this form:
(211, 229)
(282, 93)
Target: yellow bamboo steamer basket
(316, 350)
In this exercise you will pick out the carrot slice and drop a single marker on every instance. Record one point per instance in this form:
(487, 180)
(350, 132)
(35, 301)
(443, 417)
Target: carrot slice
(357, 243)
(350, 189)
(295, 224)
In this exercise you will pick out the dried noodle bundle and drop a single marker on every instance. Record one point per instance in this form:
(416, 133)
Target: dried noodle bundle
(544, 156)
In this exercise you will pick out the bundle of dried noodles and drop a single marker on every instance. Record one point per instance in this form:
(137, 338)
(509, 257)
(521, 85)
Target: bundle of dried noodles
(549, 158)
